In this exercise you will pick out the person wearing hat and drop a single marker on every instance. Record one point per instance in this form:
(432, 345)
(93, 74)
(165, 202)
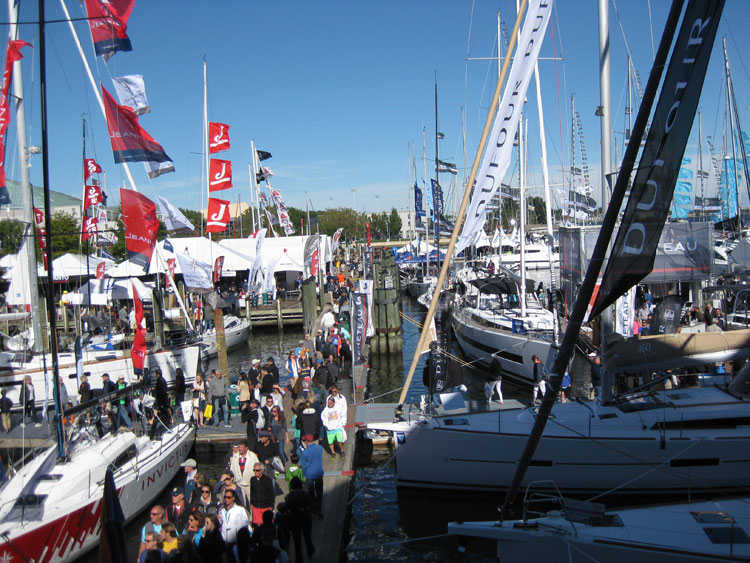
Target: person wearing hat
(254, 372)
(320, 341)
(254, 419)
(190, 468)
(178, 511)
(311, 460)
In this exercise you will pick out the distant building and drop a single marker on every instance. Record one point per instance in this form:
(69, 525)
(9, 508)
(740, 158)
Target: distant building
(58, 201)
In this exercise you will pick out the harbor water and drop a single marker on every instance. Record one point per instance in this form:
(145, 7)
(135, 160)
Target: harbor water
(386, 524)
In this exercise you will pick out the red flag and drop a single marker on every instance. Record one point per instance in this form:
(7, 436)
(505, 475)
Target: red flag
(130, 142)
(138, 350)
(315, 262)
(218, 137)
(141, 226)
(218, 265)
(90, 167)
(218, 215)
(93, 197)
(89, 228)
(12, 55)
(100, 270)
(171, 266)
(219, 175)
(108, 20)
(41, 234)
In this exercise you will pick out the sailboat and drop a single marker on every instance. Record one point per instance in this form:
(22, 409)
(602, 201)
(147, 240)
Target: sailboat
(647, 440)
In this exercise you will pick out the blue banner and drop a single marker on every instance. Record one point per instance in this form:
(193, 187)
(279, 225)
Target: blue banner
(418, 201)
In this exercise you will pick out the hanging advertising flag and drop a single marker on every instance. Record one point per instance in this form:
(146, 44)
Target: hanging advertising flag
(141, 226)
(634, 250)
(130, 142)
(171, 263)
(100, 270)
(196, 275)
(259, 237)
(41, 234)
(12, 55)
(90, 167)
(138, 350)
(156, 169)
(499, 149)
(174, 219)
(218, 265)
(88, 228)
(218, 215)
(219, 175)
(108, 20)
(359, 327)
(336, 238)
(418, 210)
(310, 255)
(131, 91)
(92, 197)
(263, 155)
(218, 137)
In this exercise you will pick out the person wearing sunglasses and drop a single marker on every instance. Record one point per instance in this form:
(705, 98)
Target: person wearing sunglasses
(262, 494)
(152, 542)
(227, 483)
(206, 502)
(233, 518)
(156, 519)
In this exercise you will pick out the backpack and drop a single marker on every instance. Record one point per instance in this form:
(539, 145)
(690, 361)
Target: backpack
(260, 424)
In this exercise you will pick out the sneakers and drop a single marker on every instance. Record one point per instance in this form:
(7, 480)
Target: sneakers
(343, 455)
(333, 455)
(227, 426)
(38, 425)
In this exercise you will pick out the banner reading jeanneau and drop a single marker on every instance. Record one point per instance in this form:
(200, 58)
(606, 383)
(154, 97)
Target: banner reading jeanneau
(634, 250)
(141, 226)
(500, 143)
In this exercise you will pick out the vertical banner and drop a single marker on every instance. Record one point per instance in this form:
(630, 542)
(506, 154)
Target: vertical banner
(259, 236)
(171, 263)
(100, 270)
(499, 149)
(625, 313)
(90, 167)
(336, 238)
(634, 249)
(359, 327)
(311, 255)
(12, 55)
(89, 228)
(218, 265)
(418, 210)
(138, 350)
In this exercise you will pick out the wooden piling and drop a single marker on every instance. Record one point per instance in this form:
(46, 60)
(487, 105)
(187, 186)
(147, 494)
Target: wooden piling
(309, 305)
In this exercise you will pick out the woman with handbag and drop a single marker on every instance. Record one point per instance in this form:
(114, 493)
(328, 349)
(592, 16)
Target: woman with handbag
(199, 400)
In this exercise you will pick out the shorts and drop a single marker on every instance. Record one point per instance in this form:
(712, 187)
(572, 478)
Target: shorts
(334, 435)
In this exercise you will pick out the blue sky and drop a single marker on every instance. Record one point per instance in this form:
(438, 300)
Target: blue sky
(338, 91)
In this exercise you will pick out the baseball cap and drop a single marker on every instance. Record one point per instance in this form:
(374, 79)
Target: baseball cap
(308, 438)
(189, 462)
(178, 491)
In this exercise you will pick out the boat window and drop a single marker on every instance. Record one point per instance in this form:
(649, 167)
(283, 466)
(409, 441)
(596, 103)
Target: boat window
(30, 501)
(607, 415)
(726, 534)
(124, 458)
(703, 424)
(712, 517)
(50, 477)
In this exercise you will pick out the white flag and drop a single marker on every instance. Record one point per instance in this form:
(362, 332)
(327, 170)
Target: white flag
(131, 91)
(259, 237)
(196, 275)
(174, 219)
(155, 169)
(500, 143)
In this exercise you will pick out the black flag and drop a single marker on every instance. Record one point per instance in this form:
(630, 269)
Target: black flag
(263, 155)
(632, 256)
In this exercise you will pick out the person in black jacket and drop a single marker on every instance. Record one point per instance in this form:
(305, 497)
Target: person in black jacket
(271, 365)
(309, 421)
(298, 508)
(179, 385)
(212, 546)
(321, 376)
(262, 494)
(333, 370)
(161, 405)
(250, 417)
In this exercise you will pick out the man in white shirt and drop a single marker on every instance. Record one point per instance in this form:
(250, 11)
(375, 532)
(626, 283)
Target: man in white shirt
(242, 467)
(233, 518)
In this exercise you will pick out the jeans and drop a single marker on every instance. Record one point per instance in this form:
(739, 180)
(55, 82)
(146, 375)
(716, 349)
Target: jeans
(220, 403)
(122, 416)
(315, 488)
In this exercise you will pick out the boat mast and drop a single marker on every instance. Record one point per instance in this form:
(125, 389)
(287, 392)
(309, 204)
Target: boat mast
(728, 77)
(606, 126)
(438, 190)
(204, 162)
(612, 212)
(734, 116)
(29, 256)
(51, 312)
(522, 215)
(254, 189)
(700, 165)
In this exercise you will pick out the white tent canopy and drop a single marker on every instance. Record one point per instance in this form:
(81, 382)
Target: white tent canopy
(126, 269)
(290, 251)
(200, 249)
(70, 266)
(418, 247)
(107, 290)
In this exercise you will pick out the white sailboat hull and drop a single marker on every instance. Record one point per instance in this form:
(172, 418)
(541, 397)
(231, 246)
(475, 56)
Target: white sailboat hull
(65, 523)
(479, 340)
(235, 332)
(672, 442)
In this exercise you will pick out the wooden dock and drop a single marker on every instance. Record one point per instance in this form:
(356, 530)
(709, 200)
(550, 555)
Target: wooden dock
(328, 532)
